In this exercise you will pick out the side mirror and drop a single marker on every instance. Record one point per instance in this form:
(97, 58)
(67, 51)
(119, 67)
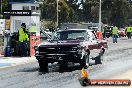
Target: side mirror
(97, 39)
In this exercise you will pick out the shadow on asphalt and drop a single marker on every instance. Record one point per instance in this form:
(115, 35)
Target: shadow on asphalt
(69, 69)
(35, 69)
(123, 38)
(53, 68)
(62, 69)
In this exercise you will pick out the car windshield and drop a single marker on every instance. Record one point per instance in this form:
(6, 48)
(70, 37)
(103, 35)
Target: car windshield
(70, 35)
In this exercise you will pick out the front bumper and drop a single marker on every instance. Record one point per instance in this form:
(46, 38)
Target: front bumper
(59, 57)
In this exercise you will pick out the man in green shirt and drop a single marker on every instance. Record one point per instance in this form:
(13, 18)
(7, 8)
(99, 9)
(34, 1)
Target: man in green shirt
(115, 34)
(128, 32)
(23, 37)
(104, 32)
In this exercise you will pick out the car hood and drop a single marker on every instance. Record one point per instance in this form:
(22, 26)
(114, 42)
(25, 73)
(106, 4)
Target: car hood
(60, 43)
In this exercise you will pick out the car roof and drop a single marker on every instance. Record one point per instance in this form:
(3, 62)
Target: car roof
(94, 27)
(75, 30)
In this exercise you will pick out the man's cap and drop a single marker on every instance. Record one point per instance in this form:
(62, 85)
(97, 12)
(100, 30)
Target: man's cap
(23, 24)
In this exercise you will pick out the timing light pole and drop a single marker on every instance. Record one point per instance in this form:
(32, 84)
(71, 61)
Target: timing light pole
(57, 14)
(1, 7)
(100, 16)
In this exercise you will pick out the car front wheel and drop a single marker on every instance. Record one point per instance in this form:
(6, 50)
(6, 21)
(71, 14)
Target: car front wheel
(43, 66)
(85, 61)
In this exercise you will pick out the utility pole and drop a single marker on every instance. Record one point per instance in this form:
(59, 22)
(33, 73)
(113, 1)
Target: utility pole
(1, 8)
(100, 16)
(57, 14)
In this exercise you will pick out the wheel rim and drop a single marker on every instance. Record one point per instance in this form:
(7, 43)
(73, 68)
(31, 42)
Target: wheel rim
(101, 59)
(87, 60)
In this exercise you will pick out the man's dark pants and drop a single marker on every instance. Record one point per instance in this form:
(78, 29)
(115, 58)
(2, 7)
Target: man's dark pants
(129, 35)
(114, 38)
(23, 48)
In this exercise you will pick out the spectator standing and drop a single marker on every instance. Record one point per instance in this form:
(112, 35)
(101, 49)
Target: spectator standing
(22, 38)
(104, 32)
(114, 34)
(128, 32)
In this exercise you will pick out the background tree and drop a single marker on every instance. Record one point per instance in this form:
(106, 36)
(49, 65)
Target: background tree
(5, 6)
(117, 12)
(65, 11)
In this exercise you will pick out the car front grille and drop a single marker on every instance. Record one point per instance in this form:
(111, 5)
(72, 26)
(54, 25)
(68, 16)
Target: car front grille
(58, 50)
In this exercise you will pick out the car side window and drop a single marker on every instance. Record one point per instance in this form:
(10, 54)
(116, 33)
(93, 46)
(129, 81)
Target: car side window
(56, 36)
(43, 35)
(91, 36)
(87, 36)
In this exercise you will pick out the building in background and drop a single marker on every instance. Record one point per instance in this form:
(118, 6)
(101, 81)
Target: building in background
(28, 13)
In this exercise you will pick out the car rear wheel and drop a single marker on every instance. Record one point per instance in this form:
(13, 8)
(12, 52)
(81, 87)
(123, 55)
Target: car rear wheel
(99, 60)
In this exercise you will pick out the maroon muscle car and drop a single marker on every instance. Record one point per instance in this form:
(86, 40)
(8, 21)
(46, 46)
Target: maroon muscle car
(71, 45)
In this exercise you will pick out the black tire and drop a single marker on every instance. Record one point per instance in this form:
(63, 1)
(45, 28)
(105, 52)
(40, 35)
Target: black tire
(43, 66)
(85, 61)
(99, 60)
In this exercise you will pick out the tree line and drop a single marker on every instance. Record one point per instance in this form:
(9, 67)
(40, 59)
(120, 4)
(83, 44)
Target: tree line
(117, 12)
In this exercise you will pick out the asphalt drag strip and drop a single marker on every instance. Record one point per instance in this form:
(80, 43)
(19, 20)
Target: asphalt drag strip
(117, 60)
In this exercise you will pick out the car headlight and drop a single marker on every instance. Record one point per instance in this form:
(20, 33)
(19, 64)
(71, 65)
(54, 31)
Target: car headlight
(36, 48)
(36, 52)
(79, 49)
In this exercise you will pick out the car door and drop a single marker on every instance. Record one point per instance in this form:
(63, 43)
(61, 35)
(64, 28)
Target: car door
(93, 41)
(101, 42)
